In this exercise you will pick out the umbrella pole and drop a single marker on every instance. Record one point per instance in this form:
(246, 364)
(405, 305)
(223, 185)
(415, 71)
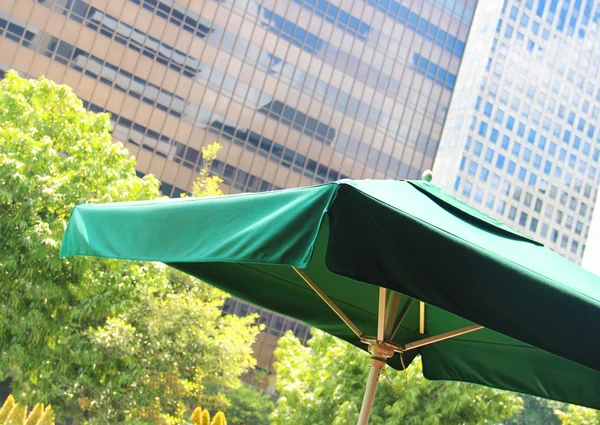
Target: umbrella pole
(377, 366)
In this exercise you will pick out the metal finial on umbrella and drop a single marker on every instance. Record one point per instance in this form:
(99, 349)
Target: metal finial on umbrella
(427, 176)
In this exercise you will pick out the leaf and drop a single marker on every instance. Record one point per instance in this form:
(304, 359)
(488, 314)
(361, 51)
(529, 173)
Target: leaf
(7, 407)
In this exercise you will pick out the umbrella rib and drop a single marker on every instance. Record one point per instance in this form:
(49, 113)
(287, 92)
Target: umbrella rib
(381, 316)
(349, 305)
(390, 313)
(328, 301)
(401, 317)
(441, 337)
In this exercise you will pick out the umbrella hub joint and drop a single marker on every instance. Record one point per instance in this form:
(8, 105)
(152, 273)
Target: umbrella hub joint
(380, 353)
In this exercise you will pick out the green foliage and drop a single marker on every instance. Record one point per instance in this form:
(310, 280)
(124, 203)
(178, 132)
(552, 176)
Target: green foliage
(122, 342)
(577, 415)
(325, 381)
(205, 184)
(536, 411)
(13, 413)
(249, 406)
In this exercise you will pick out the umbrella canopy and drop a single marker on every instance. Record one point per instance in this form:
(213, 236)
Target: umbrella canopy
(401, 266)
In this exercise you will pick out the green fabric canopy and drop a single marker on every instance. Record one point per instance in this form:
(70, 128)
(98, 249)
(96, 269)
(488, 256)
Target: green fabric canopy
(539, 310)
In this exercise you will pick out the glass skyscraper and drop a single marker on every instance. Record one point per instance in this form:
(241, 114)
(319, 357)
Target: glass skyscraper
(522, 137)
(297, 92)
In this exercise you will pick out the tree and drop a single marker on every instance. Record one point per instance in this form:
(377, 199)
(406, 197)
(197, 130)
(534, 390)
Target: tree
(249, 406)
(536, 411)
(111, 341)
(324, 383)
(577, 415)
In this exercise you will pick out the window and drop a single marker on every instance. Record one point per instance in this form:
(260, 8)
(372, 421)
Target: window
(532, 180)
(514, 105)
(512, 213)
(494, 135)
(495, 180)
(574, 247)
(569, 222)
(516, 149)
(499, 116)
(538, 205)
(533, 224)
(468, 186)
(521, 129)
(517, 193)
(501, 206)
(484, 173)
(586, 148)
(489, 155)
(563, 198)
(523, 219)
(500, 162)
(478, 195)
(457, 183)
(562, 154)
(546, 124)
(522, 174)
(505, 142)
(489, 202)
(510, 123)
(487, 111)
(483, 128)
(472, 168)
(511, 167)
(556, 130)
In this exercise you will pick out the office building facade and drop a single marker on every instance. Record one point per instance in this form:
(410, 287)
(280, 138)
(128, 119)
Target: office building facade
(297, 92)
(522, 137)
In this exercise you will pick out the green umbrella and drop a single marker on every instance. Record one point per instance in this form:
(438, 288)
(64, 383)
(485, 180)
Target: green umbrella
(391, 266)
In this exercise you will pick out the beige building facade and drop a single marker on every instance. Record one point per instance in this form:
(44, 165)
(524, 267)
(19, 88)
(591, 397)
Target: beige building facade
(297, 92)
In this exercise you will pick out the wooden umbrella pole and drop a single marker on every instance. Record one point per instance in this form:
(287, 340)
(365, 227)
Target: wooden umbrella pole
(380, 351)
(369, 397)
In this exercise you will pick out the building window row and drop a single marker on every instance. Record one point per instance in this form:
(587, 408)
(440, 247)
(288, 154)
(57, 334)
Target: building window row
(187, 156)
(332, 96)
(420, 25)
(156, 97)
